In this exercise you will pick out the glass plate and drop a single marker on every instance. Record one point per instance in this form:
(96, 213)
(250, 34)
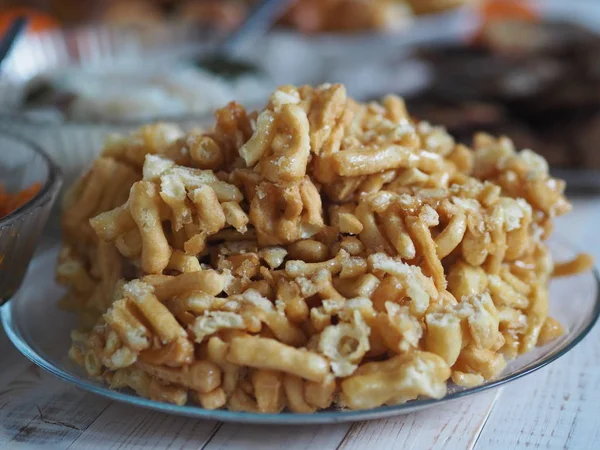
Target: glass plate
(41, 332)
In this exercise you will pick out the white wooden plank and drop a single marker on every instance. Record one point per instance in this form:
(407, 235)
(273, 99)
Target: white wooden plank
(556, 407)
(454, 425)
(126, 427)
(37, 408)
(264, 437)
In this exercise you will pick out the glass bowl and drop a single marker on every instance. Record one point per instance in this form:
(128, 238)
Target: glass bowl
(22, 164)
(40, 330)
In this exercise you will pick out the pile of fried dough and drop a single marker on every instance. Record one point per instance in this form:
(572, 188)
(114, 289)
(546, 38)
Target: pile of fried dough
(320, 252)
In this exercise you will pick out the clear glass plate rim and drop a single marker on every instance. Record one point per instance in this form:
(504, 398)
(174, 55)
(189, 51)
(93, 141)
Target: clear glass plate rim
(289, 418)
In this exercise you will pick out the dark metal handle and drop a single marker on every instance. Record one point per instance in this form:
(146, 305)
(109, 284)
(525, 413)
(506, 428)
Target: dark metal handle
(14, 31)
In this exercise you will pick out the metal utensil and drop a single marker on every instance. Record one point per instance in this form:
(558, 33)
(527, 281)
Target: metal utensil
(223, 60)
(14, 31)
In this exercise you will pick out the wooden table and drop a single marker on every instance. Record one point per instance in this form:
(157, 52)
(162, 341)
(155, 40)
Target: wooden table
(555, 407)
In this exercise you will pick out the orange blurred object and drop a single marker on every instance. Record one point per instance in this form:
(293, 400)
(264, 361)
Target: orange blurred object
(437, 6)
(493, 10)
(38, 21)
(11, 201)
(495, 14)
(313, 16)
(226, 15)
(136, 13)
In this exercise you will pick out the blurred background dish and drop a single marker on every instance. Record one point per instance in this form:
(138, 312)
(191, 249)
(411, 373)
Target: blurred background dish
(136, 92)
(60, 57)
(537, 82)
(68, 89)
(531, 72)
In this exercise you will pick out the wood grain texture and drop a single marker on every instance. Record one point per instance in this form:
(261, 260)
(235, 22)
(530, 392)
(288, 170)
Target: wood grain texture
(37, 408)
(254, 437)
(128, 427)
(455, 425)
